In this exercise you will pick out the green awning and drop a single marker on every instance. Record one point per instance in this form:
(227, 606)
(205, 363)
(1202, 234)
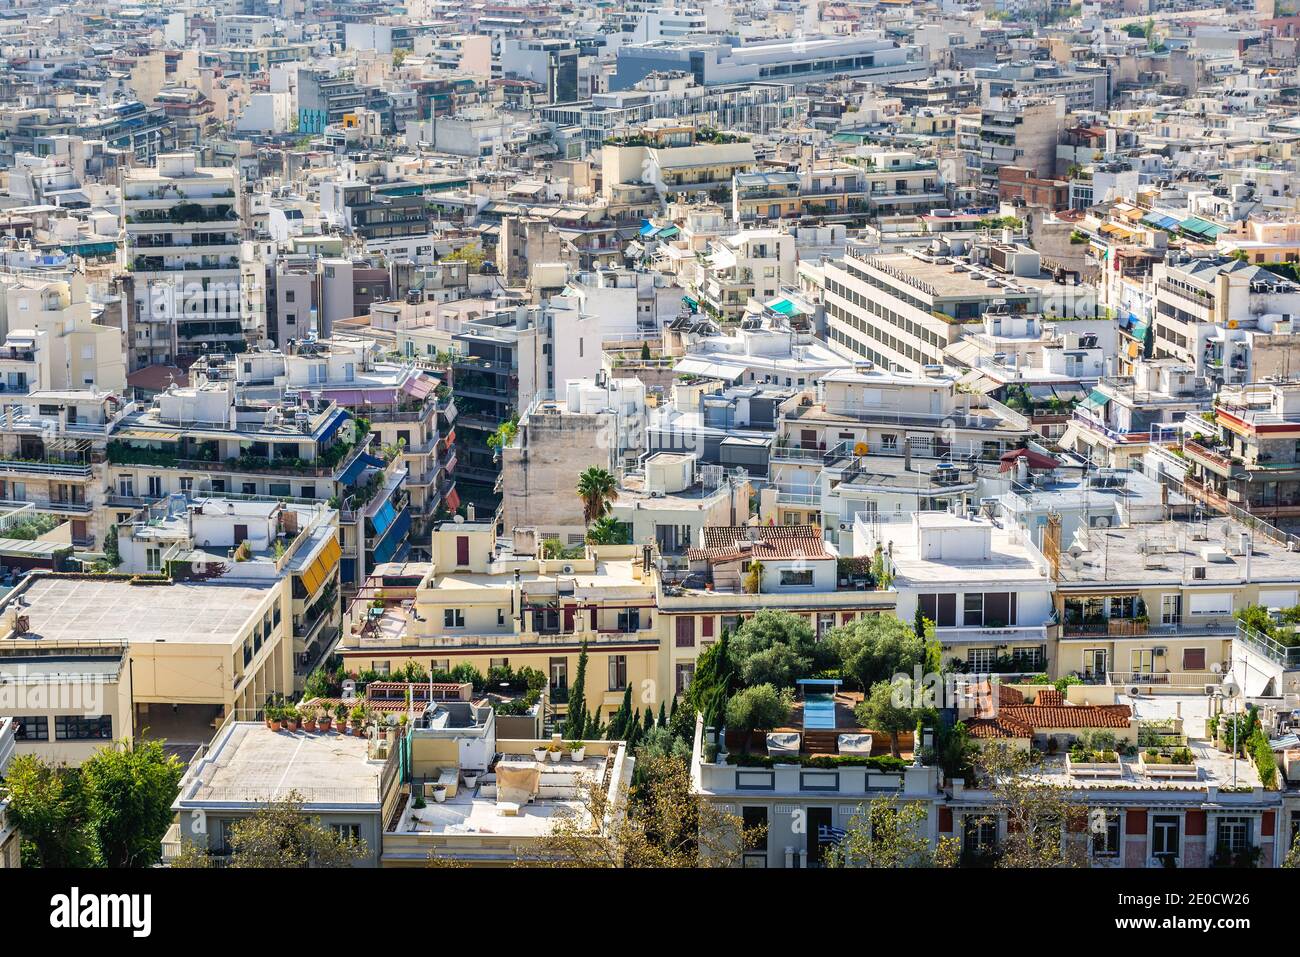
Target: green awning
(1095, 400)
(1200, 227)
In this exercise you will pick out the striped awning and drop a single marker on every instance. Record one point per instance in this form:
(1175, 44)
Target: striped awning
(318, 572)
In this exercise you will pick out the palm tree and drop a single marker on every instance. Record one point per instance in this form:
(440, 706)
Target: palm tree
(607, 531)
(597, 489)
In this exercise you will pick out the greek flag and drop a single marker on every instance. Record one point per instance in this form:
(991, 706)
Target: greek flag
(828, 834)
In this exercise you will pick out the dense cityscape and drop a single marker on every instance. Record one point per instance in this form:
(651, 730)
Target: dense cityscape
(787, 434)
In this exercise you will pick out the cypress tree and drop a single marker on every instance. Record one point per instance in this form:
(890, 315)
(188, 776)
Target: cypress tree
(622, 717)
(648, 722)
(575, 723)
(663, 716)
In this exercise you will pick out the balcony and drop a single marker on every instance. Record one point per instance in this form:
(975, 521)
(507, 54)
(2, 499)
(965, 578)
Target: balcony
(1218, 462)
(35, 468)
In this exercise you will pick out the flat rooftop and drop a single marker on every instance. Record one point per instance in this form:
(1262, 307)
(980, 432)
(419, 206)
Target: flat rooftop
(249, 763)
(1155, 553)
(100, 610)
(468, 812)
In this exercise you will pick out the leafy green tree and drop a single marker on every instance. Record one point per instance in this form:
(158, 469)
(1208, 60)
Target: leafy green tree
(775, 647)
(1038, 814)
(47, 806)
(758, 708)
(880, 712)
(887, 833)
(597, 488)
(576, 722)
(281, 835)
(954, 751)
(877, 647)
(471, 253)
(129, 794)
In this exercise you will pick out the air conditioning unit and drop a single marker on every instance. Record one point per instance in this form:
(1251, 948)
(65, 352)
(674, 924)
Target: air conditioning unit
(567, 570)
(1160, 651)
(1134, 691)
(1211, 690)
(845, 526)
(656, 493)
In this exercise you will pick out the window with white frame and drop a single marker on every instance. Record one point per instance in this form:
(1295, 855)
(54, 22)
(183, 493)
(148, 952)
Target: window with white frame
(453, 618)
(980, 659)
(1232, 835)
(1165, 833)
(1105, 827)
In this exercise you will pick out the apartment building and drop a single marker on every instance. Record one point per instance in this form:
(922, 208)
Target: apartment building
(182, 248)
(866, 440)
(51, 340)
(749, 265)
(906, 309)
(1152, 604)
(1248, 458)
(1009, 131)
(1123, 416)
(1004, 603)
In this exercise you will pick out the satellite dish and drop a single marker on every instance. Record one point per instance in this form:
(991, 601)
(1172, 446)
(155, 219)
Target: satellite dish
(1216, 668)
(1231, 689)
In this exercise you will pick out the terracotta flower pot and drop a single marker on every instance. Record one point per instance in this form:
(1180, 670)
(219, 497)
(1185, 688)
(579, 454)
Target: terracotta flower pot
(309, 725)
(324, 724)
(293, 725)
(277, 725)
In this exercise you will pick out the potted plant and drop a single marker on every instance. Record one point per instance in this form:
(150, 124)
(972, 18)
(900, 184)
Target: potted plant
(269, 714)
(309, 720)
(418, 803)
(292, 719)
(539, 752)
(275, 717)
(358, 718)
(325, 721)
(439, 793)
(341, 716)
(554, 752)
(577, 750)
(471, 779)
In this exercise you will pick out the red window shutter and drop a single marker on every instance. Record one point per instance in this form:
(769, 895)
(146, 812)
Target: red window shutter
(1193, 659)
(706, 626)
(462, 549)
(568, 617)
(1266, 824)
(1135, 822)
(945, 820)
(1195, 823)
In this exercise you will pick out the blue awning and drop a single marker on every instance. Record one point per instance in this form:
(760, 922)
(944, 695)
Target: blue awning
(395, 539)
(383, 518)
(359, 465)
(333, 425)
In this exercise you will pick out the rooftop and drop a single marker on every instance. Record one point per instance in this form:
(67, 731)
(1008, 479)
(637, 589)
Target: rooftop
(106, 610)
(250, 764)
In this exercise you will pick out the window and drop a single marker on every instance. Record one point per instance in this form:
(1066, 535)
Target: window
(685, 673)
(347, 831)
(980, 659)
(973, 610)
(501, 663)
(617, 672)
(1029, 659)
(32, 728)
(1105, 833)
(1193, 659)
(1164, 836)
(754, 818)
(685, 631)
(77, 727)
(796, 577)
(501, 617)
(1232, 835)
(629, 620)
(1141, 661)
(559, 673)
(979, 836)
(155, 486)
(383, 668)
(940, 609)
(152, 559)
(453, 618)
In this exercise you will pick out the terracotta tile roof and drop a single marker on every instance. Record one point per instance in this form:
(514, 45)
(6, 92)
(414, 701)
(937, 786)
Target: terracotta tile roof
(728, 543)
(1014, 719)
